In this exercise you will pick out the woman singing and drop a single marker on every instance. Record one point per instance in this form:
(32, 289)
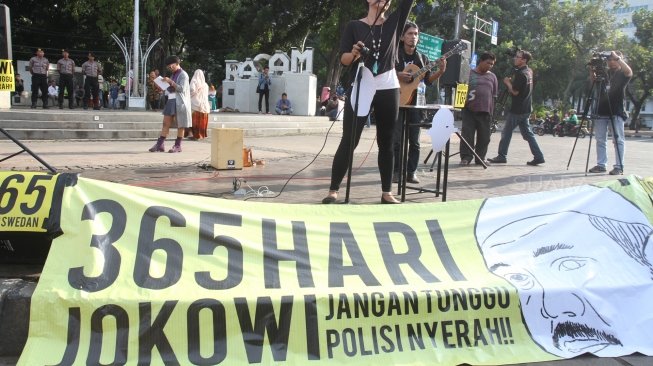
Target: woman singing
(380, 35)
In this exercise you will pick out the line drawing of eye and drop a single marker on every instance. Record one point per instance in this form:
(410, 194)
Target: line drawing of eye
(571, 263)
(520, 280)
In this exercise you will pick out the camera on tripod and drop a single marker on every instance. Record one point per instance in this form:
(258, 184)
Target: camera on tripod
(599, 63)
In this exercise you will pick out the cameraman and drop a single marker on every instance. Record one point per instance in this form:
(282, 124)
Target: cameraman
(611, 112)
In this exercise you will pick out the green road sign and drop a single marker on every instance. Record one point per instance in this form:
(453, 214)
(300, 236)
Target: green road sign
(430, 45)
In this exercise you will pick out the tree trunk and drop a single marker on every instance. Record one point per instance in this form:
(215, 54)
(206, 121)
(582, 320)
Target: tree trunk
(637, 107)
(333, 75)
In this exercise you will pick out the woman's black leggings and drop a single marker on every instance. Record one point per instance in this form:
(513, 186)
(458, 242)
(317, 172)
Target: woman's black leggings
(386, 111)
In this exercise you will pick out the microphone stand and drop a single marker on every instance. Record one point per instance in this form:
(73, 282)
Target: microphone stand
(354, 125)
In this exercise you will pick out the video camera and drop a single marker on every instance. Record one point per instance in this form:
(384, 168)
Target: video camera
(599, 62)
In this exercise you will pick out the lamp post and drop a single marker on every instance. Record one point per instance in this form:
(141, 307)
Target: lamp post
(134, 91)
(482, 26)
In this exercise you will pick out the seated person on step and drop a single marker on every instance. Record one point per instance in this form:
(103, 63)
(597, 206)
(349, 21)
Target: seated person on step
(283, 105)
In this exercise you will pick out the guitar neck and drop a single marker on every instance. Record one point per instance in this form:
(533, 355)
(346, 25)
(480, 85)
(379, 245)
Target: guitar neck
(432, 66)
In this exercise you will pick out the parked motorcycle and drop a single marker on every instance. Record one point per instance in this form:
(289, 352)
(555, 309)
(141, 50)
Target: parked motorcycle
(545, 126)
(566, 129)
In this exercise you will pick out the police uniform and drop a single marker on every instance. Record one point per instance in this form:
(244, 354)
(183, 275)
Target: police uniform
(38, 67)
(66, 68)
(91, 69)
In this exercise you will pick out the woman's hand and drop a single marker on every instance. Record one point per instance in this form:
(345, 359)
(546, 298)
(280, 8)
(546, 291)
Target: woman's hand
(356, 49)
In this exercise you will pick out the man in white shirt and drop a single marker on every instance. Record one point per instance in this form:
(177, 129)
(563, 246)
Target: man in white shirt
(53, 92)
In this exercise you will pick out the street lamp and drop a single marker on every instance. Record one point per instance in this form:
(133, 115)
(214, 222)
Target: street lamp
(482, 26)
(136, 51)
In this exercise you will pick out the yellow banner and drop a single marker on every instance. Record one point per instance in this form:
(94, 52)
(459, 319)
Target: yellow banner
(25, 201)
(7, 76)
(141, 277)
(461, 95)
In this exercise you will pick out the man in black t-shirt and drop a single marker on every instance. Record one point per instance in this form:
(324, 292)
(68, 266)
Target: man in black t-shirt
(520, 88)
(408, 55)
(611, 113)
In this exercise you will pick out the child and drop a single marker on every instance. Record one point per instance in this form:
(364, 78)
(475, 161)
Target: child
(213, 100)
(122, 97)
(113, 93)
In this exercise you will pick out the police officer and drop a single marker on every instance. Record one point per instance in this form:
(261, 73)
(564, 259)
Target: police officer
(38, 67)
(66, 68)
(91, 69)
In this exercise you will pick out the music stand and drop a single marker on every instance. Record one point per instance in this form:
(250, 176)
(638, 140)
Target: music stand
(24, 149)
(445, 136)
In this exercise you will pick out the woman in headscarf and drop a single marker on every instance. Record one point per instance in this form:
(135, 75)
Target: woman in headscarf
(199, 101)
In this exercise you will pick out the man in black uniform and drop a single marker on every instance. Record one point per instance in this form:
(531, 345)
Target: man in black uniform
(66, 68)
(91, 69)
(38, 67)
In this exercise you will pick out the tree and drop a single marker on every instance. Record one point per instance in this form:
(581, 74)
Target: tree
(48, 24)
(640, 59)
(572, 32)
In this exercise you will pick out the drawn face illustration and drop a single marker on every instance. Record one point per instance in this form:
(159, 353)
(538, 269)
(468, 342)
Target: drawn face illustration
(584, 281)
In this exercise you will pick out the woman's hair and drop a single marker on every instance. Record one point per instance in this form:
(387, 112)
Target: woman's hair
(172, 60)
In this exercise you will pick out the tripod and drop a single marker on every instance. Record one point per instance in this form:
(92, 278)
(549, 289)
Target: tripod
(24, 149)
(599, 84)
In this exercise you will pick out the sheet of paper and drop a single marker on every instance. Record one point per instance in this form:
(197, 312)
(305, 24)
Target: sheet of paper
(161, 83)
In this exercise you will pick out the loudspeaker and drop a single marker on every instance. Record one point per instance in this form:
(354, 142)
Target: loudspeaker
(227, 148)
(457, 65)
(5, 34)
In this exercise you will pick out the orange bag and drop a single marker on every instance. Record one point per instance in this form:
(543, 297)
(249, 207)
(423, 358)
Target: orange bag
(248, 161)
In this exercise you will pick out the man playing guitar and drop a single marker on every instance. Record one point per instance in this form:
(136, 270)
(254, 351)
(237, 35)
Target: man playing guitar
(408, 55)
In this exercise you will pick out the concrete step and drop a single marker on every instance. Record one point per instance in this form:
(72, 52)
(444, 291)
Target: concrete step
(77, 115)
(77, 125)
(107, 134)
(153, 125)
(56, 124)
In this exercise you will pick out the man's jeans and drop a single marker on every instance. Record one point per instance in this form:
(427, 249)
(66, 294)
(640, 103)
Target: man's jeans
(601, 126)
(521, 120)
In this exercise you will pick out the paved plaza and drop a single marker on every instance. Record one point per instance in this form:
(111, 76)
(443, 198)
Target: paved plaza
(299, 167)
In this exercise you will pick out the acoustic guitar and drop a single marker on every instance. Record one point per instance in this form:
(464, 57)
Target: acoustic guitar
(407, 90)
